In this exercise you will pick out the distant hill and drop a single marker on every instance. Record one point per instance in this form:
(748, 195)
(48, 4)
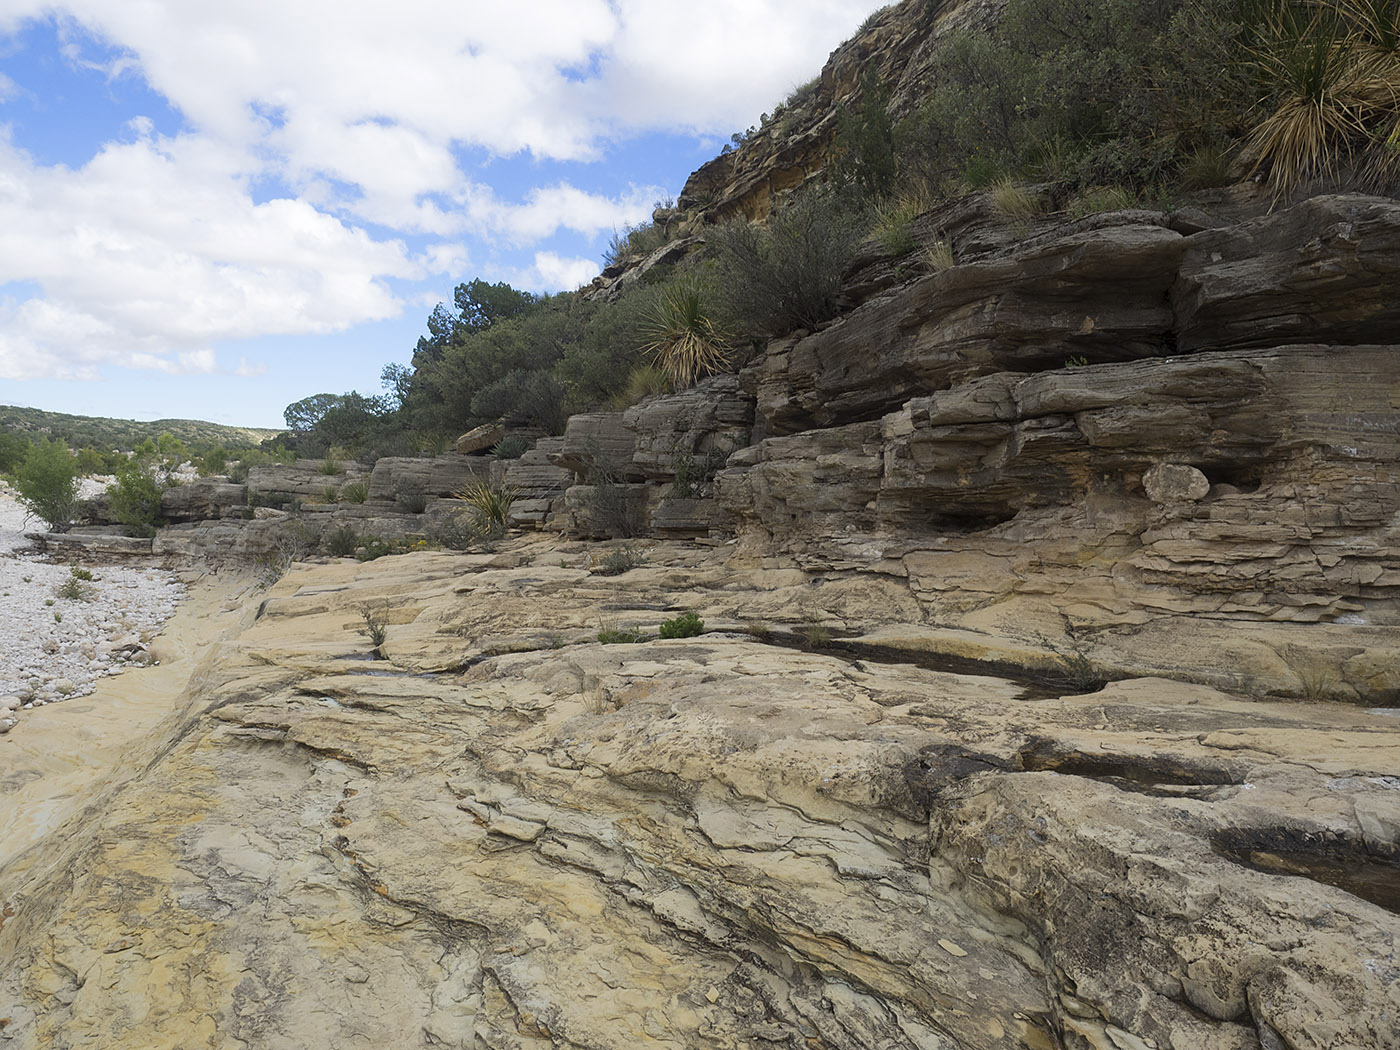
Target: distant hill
(106, 434)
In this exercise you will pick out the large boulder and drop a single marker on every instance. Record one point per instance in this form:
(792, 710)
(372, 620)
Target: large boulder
(597, 445)
(396, 476)
(689, 434)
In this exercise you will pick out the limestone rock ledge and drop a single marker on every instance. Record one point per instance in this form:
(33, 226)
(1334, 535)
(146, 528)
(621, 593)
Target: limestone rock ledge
(507, 835)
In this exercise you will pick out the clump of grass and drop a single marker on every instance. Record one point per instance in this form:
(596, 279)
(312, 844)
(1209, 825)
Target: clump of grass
(618, 561)
(331, 466)
(330, 494)
(684, 341)
(628, 635)
(512, 446)
(1099, 199)
(491, 503)
(1013, 202)
(646, 380)
(894, 227)
(355, 492)
(686, 625)
(1206, 167)
(1334, 70)
(938, 256)
(758, 630)
(814, 635)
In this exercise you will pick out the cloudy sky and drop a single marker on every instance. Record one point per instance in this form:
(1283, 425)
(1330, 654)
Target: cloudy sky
(213, 209)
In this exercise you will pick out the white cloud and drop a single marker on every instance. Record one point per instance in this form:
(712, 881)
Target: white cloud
(563, 274)
(148, 254)
(155, 250)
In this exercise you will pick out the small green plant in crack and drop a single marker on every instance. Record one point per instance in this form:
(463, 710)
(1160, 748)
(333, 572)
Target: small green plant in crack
(686, 625)
(77, 587)
(814, 635)
(376, 626)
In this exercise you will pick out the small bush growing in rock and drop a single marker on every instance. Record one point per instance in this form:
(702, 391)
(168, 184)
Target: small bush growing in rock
(686, 625)
(616, 562)
(376, 627)
(411, 501)
(77, 587)
(341, 541)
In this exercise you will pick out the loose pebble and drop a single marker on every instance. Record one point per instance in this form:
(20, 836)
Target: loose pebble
(59, 647)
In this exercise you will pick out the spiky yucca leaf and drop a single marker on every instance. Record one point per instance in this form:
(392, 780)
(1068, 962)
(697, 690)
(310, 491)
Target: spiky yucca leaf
(491, 502)
(684, 341)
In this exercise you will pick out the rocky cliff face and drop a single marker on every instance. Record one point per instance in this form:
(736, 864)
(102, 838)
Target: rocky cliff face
(508, 835)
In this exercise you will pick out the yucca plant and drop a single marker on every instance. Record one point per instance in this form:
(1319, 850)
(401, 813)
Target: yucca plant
(1333, 80)
(490, 502)
(684, 341)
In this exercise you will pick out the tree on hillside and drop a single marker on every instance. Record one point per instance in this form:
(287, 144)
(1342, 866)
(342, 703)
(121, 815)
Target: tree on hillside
(48, 483)
(481, 305)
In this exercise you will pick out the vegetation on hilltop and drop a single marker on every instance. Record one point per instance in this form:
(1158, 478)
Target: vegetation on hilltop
(101, 433)
(1103, 103)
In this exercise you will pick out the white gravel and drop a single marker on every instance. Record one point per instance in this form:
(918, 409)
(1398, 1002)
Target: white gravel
(54, 648)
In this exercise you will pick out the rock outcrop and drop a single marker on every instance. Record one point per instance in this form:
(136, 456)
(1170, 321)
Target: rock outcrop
(507, 834)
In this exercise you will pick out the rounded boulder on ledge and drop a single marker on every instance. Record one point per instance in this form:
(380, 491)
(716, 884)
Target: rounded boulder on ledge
(1175, 483)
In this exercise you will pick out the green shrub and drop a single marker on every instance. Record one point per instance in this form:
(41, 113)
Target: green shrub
(330, 466)
(47, 483)
(78, 586)
(341, 541)
(411, 501)
(686, 625)
(135, 496)
(787, 275)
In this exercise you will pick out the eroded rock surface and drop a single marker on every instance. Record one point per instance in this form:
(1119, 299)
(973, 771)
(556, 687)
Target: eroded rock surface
(508, 835)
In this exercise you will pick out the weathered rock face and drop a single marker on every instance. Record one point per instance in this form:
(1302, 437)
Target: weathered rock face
(201, 499)
(1120, 288)
(597, 444)
(441, 476)
(511, 835)
(538, 484)
(690, 433)
(305, 480)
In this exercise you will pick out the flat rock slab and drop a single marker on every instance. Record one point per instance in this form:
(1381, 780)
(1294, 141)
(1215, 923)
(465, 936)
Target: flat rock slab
(508, 828)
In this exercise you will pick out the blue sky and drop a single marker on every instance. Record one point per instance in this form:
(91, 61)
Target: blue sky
(212, 210)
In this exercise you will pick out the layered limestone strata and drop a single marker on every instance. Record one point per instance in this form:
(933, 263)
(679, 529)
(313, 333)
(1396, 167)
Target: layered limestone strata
(508, 835)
